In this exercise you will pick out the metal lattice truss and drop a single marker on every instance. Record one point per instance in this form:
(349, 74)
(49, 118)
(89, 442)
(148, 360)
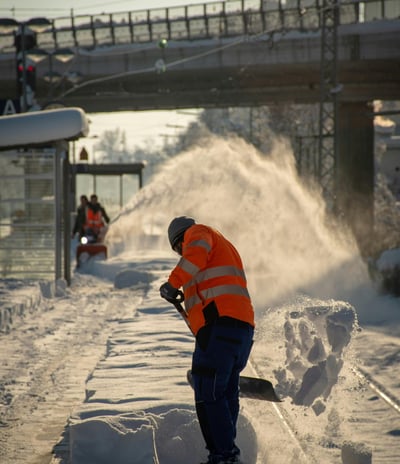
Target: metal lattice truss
(328, 100)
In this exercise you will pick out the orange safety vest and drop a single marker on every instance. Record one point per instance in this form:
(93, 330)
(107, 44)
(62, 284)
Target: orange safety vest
(94, 220)
(211, 270)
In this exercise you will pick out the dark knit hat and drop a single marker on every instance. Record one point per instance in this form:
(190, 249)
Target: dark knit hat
(177, 228)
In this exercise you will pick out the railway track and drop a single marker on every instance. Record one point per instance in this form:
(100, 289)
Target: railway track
(289, 441)
(377, 388)
(368, 421)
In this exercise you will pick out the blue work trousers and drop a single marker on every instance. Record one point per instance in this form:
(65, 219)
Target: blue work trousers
(221, 353)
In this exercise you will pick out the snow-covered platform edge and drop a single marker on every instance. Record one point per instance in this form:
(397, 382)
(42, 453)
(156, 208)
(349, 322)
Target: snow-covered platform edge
(20, 298)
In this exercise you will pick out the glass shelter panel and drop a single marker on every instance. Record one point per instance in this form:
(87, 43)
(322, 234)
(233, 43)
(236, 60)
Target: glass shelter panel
(107, 189)
(27, 214)
(113, 191)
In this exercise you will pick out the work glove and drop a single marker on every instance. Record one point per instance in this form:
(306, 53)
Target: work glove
(168, 292)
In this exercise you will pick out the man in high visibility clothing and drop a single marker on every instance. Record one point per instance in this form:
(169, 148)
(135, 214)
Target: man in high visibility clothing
(221, 317)
(96, 219)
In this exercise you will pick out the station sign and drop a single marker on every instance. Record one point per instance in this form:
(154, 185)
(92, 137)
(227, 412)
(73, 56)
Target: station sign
(10, 106)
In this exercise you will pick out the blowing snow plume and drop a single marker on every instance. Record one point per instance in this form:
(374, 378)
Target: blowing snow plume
(279, 226)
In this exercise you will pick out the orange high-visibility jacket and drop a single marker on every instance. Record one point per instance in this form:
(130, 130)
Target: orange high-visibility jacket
(211, 271)
(94, 220)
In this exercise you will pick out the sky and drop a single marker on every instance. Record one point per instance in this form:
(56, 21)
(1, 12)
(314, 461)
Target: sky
(141, 128)
(315, 307)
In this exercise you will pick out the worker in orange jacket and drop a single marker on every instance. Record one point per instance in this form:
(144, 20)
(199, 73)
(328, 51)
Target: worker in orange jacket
(221, 317)
(96, 219)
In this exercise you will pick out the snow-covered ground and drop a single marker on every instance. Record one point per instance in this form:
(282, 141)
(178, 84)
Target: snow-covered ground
(108, 358)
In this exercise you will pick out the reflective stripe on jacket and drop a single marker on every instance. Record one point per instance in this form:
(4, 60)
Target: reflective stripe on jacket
(211, 271)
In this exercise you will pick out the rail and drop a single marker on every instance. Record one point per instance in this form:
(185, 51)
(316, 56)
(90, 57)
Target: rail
(201, 21)
(380, 390)
(294, 425)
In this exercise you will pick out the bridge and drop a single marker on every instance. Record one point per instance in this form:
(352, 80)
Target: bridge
(234, 53)
(340, 54)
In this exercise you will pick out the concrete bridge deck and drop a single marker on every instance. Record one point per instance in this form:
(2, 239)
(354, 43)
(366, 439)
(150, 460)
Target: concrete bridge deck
(236, 53)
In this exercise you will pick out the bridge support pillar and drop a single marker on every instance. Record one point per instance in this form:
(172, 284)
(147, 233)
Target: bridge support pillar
(355, 170)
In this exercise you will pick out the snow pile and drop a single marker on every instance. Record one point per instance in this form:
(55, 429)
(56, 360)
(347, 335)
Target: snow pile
(146, 438)
(113, 439)
(316, 334)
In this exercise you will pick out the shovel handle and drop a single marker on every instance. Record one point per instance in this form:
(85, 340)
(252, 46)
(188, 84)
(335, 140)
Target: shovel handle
(181, 310)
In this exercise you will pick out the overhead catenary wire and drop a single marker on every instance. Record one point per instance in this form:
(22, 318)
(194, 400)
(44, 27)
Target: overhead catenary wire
(172, 64)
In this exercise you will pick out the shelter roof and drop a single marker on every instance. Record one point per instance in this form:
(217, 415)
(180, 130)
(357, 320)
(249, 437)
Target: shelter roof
(41, 127)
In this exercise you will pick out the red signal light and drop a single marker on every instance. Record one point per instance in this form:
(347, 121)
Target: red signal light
(29, 68)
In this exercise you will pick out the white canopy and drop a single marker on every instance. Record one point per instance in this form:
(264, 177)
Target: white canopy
(40, 127)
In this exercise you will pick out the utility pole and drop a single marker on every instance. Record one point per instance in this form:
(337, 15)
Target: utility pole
(328, 104)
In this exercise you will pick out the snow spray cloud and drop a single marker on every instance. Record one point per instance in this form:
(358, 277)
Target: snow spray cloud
(258, 202)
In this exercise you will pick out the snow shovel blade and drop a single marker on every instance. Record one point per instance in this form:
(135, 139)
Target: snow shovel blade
(258, 389)
(251, 387)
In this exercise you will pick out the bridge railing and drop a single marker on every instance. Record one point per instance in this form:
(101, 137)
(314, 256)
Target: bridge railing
(202, 21)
